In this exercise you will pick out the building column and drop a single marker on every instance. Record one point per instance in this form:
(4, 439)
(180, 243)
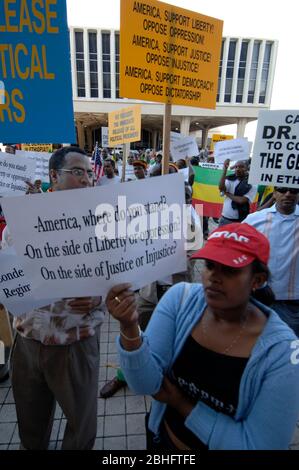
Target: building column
(259, 72)
(154, 139)
(112, 64)
(81, 136)
(247, 71)
(86, 62)
(73, 63)
(223, 70)
(204, 136)
(100, 63)
(241, 127)
(185, 125)
(236, 71)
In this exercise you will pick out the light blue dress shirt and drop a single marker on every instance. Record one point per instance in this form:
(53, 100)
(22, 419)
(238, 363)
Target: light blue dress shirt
(282, 232)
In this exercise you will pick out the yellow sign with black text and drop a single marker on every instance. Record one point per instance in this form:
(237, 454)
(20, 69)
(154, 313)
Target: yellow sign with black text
(169, 54)
(219, 138)
(124, 126)
(37, 147)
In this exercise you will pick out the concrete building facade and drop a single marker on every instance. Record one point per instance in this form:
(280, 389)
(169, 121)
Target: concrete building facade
(246, 74)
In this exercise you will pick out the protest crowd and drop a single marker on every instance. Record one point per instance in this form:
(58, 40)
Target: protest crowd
(149, 297)
(215, 356)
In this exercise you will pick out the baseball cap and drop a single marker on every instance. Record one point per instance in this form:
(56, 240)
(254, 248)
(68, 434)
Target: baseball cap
(140, 163)
(236, 245)
(173, 165)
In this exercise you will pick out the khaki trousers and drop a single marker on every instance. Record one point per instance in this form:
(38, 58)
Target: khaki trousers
(42, 375)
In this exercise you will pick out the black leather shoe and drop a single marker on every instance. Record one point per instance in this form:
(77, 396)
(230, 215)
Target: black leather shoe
(110, 388)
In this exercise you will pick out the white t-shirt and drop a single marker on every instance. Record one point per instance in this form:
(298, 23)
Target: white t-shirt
(230, 186)
(104, 180)
(185, 172)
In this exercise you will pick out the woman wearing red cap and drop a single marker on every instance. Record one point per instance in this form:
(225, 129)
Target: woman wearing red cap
(222, 367)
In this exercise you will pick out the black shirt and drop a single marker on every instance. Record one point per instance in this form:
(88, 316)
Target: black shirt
(208, 376)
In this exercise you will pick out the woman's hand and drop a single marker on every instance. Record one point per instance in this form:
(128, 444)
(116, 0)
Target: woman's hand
(174, 397)
(121, 304)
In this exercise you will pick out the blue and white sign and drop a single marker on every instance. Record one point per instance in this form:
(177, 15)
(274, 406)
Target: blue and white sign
(35, 72)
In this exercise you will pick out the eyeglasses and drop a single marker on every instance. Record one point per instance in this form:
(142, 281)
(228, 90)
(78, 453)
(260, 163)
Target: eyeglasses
(79, 172)
(285, 190)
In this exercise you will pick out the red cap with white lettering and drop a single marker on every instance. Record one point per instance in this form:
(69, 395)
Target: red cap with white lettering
(236, 245)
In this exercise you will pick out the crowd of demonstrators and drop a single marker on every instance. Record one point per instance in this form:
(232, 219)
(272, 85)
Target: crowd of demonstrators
(57, 348)
(203, 154)
(238, 193)
(280, 224)
(217, 362)
(242, 347)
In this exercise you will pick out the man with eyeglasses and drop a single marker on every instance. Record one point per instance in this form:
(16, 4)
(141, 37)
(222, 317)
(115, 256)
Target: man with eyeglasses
(57, 348)
(280, 224)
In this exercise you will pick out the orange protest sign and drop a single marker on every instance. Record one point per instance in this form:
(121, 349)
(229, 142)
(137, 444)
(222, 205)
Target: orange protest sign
(124, 126)
(37, 147)
(169, 54)
(219, 138)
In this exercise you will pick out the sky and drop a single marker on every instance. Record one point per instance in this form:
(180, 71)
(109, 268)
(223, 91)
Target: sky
(264, 19)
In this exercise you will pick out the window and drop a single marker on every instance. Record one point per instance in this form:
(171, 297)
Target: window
(117, 65)
(106, 65)
(253, 71)
(265, 72)
(241, 71)
(230, 71)
(93, 65)
(220, 72)
(80, 64)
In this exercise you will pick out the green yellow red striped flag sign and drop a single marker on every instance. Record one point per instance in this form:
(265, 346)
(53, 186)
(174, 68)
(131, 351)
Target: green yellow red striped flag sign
(205, 188)
(206, 191)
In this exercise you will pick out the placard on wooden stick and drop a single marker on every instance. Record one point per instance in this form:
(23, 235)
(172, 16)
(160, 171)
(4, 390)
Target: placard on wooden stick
(168, 55)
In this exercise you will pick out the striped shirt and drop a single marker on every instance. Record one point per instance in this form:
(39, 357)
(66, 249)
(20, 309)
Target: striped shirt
(282, 232)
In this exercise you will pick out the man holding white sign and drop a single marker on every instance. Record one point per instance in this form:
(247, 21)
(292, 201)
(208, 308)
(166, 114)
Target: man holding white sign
(238, 193)
(56, 353)
(58, 246)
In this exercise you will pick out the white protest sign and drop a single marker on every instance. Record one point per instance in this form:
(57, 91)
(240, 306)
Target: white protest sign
(42, 163)
(15, 288)
(175, 136)
(235, 150)
(211, 166)
(105, 137)
(275, 159)
(81, 242)
(129, 174)
(185, 147)
(14, 172)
